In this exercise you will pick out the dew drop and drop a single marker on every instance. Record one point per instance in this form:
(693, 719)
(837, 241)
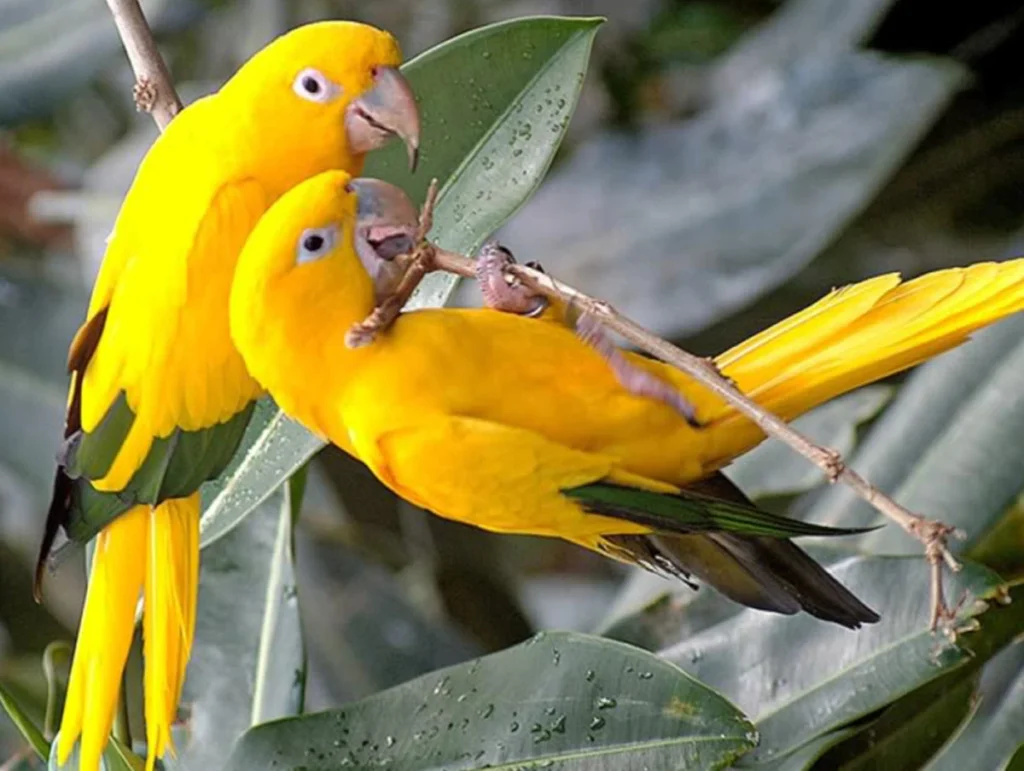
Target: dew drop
(597, 723)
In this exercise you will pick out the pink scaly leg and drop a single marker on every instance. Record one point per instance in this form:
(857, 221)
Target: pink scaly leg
(635, 380)
(499, 292)
(510, 296)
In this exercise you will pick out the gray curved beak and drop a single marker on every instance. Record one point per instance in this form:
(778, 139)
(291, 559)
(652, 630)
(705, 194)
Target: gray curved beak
(386, 224)
(388, 109)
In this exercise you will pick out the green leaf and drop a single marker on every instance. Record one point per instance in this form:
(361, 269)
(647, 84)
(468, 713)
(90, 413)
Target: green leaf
(248, 660)
(800, 678)
(364, 630)
(996, 728)
(681, 222)
(495, 104)
(116, 757)
(655, 612)
(950, 446)
(28, 729)
(120, 758)
(911, 730)
(560, 700)
(805, 757)
(1017, 761)
(279, 688)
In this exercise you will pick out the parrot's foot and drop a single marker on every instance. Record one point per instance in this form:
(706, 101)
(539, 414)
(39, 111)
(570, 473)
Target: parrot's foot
(949, 623)
(501, 291)
(934, 535)
(635, 380)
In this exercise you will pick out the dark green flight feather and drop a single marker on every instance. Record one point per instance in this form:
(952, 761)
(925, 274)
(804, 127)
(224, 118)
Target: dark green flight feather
(175, 466)
(692, 512)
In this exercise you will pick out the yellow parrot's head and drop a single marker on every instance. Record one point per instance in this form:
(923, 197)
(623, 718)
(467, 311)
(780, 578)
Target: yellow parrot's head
(322, 96)
(322, 255)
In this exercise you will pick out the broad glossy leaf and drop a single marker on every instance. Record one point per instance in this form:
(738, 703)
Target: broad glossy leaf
(910, 731)
(24, 724)
(559, 700)
(804, 758)
(279, 688)
(950, 446)
(1017, 761)
(798, 677)
(682, 222)
(116, 757)
(248, 660)
(365, 632)
(996, 728)
(495, 104)
(654, 612)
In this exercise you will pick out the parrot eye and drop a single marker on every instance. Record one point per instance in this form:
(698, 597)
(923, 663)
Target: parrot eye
(312, 85)
(315, 243)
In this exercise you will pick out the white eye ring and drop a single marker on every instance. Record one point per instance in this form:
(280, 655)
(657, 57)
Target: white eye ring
(316, 243)
(313, 86)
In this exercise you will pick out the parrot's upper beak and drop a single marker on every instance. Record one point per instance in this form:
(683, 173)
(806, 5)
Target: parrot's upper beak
(387, 109)
(386, 223)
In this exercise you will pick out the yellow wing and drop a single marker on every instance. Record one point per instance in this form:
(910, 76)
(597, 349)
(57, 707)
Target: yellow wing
(164, 288)
(497, 477)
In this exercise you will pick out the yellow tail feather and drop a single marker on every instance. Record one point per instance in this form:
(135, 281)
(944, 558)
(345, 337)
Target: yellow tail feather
(172, 575)
(150, 550)
(859, 334)
(104, 637)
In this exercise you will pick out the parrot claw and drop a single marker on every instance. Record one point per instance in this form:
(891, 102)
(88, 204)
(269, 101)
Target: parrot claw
(502, 292)
(635, 380)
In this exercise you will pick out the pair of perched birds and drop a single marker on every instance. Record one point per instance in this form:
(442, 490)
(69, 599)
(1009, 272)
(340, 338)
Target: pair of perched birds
(244, 252)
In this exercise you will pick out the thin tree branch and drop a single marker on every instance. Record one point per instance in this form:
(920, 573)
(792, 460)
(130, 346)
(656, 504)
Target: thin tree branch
(153, 91)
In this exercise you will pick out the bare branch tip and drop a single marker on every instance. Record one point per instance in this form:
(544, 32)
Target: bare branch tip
(427, 212)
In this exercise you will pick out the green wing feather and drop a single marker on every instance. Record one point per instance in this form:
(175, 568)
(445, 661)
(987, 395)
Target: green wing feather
(691, 512)
(175, 467)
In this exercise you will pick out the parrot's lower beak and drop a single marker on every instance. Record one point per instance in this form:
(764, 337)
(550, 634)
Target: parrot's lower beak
(386, 223)
(388, 109)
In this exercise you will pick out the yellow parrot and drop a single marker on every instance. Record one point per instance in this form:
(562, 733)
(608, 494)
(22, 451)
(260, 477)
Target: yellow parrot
(517, 425)
(159, 396)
